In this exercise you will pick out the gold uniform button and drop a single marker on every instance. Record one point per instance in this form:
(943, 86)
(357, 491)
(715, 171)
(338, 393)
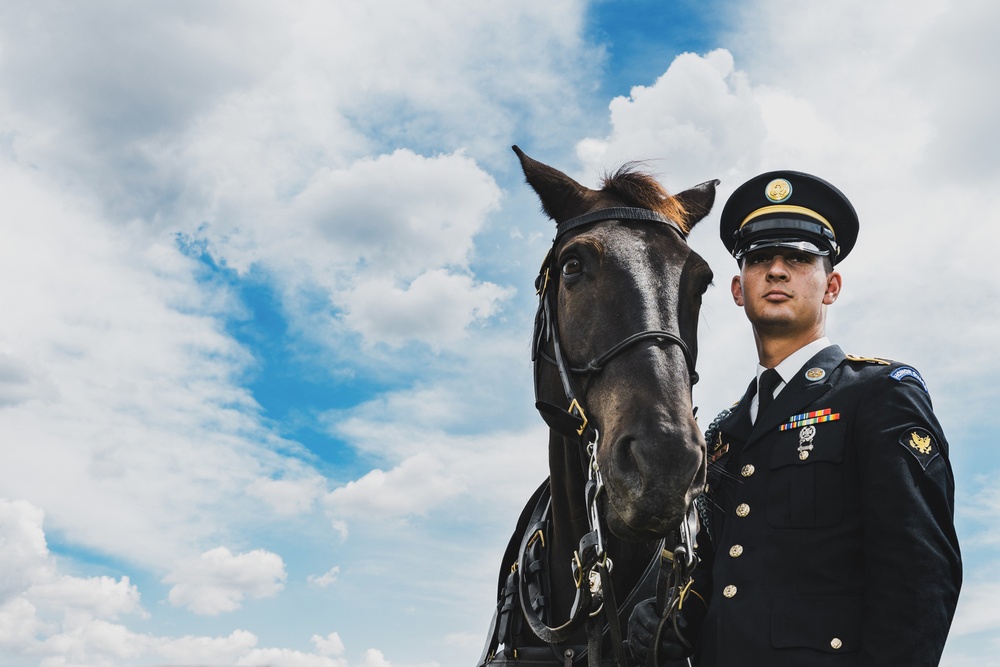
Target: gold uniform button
(729, 591)
(748, 470)
(742, 510)
(736, 550)
(836, 643)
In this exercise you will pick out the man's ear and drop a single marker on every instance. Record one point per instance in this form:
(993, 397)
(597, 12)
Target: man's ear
(833, 285)
(737, 288)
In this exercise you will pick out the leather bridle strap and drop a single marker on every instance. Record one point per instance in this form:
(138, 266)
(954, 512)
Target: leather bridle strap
(600, 362)
(613, 213)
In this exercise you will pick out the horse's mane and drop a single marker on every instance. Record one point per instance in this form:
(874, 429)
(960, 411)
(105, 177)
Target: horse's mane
(640, 189)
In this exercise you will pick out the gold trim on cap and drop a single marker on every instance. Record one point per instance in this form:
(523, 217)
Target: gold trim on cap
(787, 208)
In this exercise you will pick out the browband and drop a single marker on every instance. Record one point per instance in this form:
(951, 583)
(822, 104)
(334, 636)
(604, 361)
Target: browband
(614, 213)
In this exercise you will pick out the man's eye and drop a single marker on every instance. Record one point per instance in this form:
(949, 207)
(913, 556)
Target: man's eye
(572, 266)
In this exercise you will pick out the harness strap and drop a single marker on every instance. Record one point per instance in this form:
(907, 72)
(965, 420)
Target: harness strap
(539, 499)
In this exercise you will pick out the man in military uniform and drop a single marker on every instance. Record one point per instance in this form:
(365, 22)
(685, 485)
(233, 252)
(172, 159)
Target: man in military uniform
(829, 536)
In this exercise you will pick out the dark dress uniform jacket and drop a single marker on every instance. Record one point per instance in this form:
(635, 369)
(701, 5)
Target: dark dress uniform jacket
(845, 555)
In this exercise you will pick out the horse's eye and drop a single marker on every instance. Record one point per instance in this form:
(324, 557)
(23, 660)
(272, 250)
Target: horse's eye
(571, 266)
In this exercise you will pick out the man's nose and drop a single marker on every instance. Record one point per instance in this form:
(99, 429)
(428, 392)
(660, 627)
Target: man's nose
(777, 267)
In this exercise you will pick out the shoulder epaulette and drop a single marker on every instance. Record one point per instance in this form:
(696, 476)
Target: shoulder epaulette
(869, 360)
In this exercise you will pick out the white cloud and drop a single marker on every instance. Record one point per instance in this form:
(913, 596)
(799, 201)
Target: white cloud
(43, 612)
(410, 488)
(218, 580)
(374, 658)
(102, 597)
(700, 119)
(195, 650)
(288, 497)
(283, 657)
(139, 408)
(325, 580)
(24, 553)
(436, 308)
(330, 645)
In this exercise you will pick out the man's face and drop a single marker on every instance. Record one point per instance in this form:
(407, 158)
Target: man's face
(785, 291)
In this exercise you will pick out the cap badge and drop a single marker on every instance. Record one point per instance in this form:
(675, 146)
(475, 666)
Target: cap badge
(814, 374)
(778, 190)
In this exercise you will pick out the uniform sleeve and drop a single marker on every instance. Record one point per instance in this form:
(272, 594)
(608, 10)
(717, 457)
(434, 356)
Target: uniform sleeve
(912, 563)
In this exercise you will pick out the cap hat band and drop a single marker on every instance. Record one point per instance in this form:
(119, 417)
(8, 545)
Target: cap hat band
(786, 208)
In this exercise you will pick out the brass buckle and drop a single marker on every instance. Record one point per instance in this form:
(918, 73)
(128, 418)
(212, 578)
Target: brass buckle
(576, 410)
(545, 283)
(539, 535)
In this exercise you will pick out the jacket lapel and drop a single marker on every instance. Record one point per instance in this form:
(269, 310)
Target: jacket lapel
(798, 393)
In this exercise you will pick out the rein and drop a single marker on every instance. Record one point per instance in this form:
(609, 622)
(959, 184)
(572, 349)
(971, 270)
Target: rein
(591, 565)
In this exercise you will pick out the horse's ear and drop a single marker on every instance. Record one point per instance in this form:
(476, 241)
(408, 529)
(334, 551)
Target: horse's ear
(562, 197)
(698, 201)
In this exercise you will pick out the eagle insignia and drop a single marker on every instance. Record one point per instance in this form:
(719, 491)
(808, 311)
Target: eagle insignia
(778, 190)
(921, 443)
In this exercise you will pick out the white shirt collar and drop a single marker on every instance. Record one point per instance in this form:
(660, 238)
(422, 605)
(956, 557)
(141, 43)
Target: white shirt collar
(796, 360)
(789, 367)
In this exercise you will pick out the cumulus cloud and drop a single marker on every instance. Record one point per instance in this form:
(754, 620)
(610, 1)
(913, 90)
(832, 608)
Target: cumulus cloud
(41, 609)
(700, 119)
(24, 556)
(140, 407)
(218, 580)
(416, 484)
(436, 308)
(330, 645)
(328, 578)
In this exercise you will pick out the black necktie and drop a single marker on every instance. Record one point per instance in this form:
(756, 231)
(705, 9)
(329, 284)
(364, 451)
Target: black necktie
(768, 382)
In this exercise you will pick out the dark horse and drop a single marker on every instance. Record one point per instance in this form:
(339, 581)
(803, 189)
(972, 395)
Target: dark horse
(614, 352)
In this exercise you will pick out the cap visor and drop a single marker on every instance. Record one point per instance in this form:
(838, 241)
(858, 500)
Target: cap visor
(794, 244)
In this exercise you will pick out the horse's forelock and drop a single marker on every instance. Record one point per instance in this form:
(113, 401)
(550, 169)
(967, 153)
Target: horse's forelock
(638, 188)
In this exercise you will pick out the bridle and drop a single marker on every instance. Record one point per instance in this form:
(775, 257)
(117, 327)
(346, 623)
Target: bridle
(591, 565)
(572, 421)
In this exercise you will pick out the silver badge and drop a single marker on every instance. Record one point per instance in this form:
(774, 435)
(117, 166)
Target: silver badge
(806, 436)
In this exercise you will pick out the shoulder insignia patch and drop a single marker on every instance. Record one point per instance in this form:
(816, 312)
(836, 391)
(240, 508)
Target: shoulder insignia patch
(869, 360)
(905, 372)
(920, 442)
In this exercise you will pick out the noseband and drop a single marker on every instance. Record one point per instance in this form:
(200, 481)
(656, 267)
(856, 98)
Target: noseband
(572, 422)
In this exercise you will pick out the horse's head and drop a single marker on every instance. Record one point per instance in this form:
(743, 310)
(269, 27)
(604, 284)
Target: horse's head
(611, 279)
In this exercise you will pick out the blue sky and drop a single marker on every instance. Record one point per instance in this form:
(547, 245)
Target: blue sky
(267, 271)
